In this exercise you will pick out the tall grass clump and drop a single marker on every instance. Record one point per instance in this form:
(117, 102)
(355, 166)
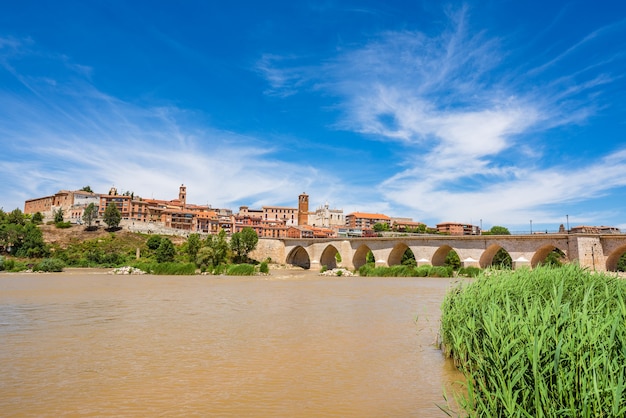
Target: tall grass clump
(167, 269)
(542, 343)
(370, 270)
(240, 270)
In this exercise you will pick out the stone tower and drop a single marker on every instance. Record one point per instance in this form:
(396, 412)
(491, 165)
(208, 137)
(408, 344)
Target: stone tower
(303, 209)
(182, 195)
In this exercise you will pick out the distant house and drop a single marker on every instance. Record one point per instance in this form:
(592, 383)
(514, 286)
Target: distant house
(584, 229)
(363, 220)
(454, 228)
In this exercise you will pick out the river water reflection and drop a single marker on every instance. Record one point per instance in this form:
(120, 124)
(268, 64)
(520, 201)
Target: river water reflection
(293, 344)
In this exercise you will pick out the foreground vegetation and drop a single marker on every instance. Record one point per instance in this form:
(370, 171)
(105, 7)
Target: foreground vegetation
(547, 342)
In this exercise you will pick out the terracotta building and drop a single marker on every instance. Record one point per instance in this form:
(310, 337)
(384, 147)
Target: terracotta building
(364, 221)
(454, 228)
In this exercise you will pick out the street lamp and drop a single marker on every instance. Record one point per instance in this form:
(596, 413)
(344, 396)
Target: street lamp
(567, 217)
(531, 226)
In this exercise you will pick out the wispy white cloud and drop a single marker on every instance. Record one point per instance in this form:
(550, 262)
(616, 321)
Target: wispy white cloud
(449, 104)
(66, 134)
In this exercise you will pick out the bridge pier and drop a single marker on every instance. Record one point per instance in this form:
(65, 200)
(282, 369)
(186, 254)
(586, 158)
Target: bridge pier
(521, 262)
(470, 262)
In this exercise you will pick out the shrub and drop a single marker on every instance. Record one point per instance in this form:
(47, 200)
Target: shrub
(469, 271)
(441, 271)
(323, 269)
(153, 242)
(10, 264)
(264, 268)
(1, 263)
(50, 265)
(168, 269)
(63, 225)
(240, 270)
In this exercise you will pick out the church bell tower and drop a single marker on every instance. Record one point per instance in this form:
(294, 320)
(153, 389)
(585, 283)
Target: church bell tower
(303, 209)
(182, 196)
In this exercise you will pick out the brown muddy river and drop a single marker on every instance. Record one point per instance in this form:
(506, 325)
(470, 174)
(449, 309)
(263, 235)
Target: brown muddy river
(293, 344)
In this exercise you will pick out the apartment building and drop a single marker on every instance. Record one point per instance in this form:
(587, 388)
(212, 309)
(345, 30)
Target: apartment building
(363, 221)
(455, 228)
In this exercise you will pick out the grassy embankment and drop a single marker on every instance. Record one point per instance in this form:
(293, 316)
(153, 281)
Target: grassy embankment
(546, 342)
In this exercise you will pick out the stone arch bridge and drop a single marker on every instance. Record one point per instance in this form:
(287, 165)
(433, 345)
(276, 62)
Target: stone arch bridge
(597, 252)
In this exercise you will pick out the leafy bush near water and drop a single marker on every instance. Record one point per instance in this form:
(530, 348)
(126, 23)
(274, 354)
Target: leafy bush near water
(371, 270)
(240, 270)
(546, 342)
(12, 265)
(50, 265)
(168, 268)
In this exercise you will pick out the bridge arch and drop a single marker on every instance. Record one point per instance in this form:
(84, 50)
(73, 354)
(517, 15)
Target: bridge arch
(613, 258)
(541, 254)
(328, 257)
(486, 259)
(395, 257)
(360, 256)
(439, 258)
(299, 257)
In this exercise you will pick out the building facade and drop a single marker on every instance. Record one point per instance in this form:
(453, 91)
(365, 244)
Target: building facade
(455, 228)
(363, 221)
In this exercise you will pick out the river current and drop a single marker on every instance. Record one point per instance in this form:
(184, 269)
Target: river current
(292, 344)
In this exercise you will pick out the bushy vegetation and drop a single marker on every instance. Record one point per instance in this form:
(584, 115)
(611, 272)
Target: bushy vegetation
(50, 265)
(167, 268)
(20, 237)
(108, 251)
(241, 270)
(547, 342)
(371, 270)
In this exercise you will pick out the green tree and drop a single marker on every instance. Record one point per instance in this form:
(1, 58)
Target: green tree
(87, 189)
(16, 216)
(453, 260)
(408, 258)
(37, 218)
(166, 251)
(10, 235)
(153, 242)
(193, 245)
(112, 216)
(621, 263)
(58, 215)
(30, 242)
(369, 258)
(502, 259)
(499, 230)
(554, 259)
(89, 214)
(214, 251)
(380, 227)
(242, 243)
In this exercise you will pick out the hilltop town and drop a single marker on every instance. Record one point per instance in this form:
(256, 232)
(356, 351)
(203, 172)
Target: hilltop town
(178, 217)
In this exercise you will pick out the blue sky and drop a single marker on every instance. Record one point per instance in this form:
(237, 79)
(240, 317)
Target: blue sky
(500, 112)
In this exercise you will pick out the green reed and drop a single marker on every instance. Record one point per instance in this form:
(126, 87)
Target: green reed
(540, 343)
